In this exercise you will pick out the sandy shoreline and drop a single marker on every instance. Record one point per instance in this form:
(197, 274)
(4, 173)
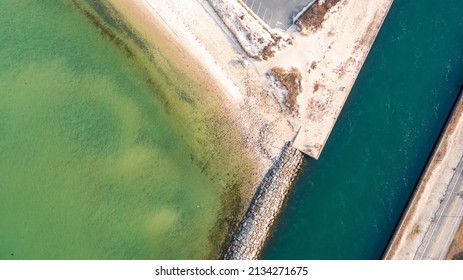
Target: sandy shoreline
(156, 23)
(214, 62)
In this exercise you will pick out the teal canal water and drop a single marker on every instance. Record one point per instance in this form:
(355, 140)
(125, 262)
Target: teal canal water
(96, 162)
(346, 204)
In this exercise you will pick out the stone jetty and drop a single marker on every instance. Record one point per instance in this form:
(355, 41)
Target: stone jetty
(266, 204)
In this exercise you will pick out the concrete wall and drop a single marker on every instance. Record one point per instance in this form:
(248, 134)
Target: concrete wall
(254, 229)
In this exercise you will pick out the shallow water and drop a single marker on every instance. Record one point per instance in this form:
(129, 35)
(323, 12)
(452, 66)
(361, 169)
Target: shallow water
(346, 204)
(95, 162)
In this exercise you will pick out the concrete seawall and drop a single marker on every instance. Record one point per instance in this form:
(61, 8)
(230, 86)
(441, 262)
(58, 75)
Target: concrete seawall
(266, 204)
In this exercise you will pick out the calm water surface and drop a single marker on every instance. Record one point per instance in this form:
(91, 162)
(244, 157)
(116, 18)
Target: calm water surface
(346, 204)
(96, 163)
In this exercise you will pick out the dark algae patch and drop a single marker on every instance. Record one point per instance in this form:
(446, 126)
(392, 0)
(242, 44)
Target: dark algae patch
(104, 30)
(229, 217)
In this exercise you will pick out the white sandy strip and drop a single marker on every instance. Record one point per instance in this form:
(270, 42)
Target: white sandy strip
(338, 49)
(261, 117)
(432, 188)
(192, 45)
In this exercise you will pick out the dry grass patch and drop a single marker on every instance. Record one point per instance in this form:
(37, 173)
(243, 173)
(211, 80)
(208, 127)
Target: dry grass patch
(316, 86)
(291, 79)
(313, 18)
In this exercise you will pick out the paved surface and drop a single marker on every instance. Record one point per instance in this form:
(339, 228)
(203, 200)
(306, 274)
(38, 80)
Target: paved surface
(440, 234)
(277, 13)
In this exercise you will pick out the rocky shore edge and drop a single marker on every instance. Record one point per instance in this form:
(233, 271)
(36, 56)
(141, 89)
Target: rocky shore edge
(254, 228)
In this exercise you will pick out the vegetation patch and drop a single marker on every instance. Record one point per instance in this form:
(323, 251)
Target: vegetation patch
(291, 80)
(313, 18)
(316, 86)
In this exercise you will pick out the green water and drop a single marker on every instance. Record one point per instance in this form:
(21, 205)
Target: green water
(346, 204)
(95, 162)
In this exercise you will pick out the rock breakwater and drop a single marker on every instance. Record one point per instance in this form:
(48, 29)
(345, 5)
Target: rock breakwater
(266, 204)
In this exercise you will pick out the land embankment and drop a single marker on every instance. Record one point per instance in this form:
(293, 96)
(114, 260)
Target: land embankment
(434, 212)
